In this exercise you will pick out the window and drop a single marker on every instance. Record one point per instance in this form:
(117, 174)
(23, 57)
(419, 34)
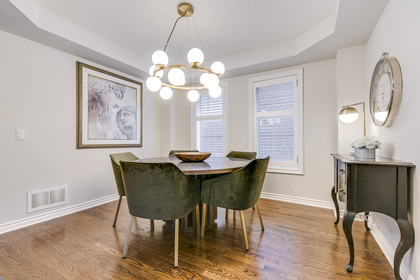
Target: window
(208, 125)
(278, 120)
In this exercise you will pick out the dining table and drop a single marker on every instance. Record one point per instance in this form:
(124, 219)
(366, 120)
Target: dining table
(203, 170)
(212, 165)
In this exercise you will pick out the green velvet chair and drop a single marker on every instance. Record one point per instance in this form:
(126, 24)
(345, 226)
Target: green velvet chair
(238, 190)
(249, 156)
(159, 191)
(172, 152)
(244, 155)
(115, 161)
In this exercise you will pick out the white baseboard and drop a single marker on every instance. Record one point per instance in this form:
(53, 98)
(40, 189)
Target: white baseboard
(55, 214)
(298, 200)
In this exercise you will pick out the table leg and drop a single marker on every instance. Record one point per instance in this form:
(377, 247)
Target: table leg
(337, 210)
(406, 242)
(347, 225)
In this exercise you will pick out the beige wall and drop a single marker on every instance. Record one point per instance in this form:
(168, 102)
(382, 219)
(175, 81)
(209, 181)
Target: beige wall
(397, 33)
(38, 94)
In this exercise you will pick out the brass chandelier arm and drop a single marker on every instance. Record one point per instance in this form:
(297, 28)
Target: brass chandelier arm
(173, 28)
(161, 67)
(184, 10)
(182, 87)
(203, 69)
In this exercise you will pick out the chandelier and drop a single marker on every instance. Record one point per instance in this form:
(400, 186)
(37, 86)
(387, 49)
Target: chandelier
(175, 78)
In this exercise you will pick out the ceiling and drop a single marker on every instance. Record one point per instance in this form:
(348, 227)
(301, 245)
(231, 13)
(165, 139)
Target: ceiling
(248, 36)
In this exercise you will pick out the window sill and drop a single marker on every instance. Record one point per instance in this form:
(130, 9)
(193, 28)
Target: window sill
(291, 171)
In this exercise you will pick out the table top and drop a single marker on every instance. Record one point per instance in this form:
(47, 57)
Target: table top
(212, 165)
(347, 158)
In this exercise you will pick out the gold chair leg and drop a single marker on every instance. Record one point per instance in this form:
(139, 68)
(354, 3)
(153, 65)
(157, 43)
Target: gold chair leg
(152, 225)
(227, 214)
(197, 219)
(203, 219)
(234, 215)
(241, 213)
(259, 215)
(118, 210)
(176, 242)
(130, 225)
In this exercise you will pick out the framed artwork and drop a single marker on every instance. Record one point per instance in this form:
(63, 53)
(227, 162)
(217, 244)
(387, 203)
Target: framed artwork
(109, 109)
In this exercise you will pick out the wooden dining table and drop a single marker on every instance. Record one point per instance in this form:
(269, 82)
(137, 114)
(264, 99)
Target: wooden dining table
(212, 165)
(203, 170)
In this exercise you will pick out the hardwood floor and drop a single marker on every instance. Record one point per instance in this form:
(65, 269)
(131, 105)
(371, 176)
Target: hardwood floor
(299, 242)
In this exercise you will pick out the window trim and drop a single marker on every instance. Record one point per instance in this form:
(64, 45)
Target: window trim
(224, 86)
(298, 166)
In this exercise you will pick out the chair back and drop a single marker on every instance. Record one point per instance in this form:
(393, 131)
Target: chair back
(159, 191)
(172, 152)
(115, 161)
(244, 155)
(238, 190)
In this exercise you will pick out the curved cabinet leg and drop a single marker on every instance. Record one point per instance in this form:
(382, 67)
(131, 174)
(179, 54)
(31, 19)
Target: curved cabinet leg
(366, 221)
(347, 226)
(337, 210)
(406, 242)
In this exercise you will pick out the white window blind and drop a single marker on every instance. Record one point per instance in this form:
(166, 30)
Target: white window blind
(208, 124)
(278, 130)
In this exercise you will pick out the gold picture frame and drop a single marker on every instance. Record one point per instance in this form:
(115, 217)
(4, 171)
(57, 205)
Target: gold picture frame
(109, 109)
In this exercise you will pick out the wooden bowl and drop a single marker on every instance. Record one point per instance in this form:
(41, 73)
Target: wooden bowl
(192, 156)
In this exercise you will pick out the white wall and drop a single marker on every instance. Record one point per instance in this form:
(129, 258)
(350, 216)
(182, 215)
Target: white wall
(397, 32)
(351, 89)
(320, 122)
(38, 94)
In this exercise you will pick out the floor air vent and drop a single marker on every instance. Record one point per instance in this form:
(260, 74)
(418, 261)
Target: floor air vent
(47, 198)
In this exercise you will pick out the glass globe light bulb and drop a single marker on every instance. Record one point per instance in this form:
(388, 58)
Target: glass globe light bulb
(195, 57)
(158, 74)
(215, 92)
(211, 81)
(203, 78)
(165, 93)
(218, 68)
(193, 95)
(176, 77)
(160, 58)
(153, 84)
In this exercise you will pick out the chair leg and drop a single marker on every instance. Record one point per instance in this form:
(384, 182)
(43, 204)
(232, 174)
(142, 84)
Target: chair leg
(130, 225)
(243, 228)
(234, 215)
(197, 219)
(203, 219)
(259, 215)
(227, 214)
(152, 225)
(118, 210)
(176, 242)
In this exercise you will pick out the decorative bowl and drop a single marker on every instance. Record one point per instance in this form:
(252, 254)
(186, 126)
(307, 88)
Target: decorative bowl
(192, 156)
